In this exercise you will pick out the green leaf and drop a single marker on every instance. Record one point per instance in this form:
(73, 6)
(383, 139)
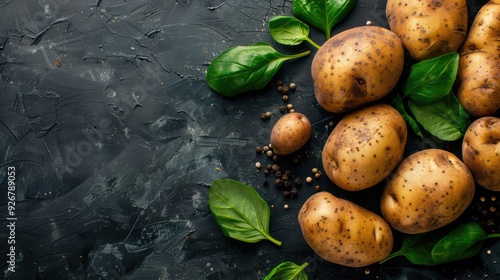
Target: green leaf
(431, 248)
(289, 30)
(322, 14)
(463, 242)
(245, 68)
(417, 249)
(408, 119)
(431, 80)
(240, 211)
(446, 118)
(288, 271)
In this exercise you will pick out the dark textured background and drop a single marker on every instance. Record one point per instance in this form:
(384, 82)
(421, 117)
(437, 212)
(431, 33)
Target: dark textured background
(115, 136)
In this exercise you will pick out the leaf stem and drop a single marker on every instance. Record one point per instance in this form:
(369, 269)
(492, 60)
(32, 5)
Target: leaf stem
(493, 235)
(306, 53)
(312, 43)
(270, 238)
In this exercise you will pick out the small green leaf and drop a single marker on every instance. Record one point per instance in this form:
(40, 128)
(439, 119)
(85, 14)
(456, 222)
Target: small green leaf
(431, 80)
(408, 119)
(289, 30)
(431, 248)
(462, 242)
(322, 14)
(240, 211)
(245, 68)
(417, 249)
(288, 271)
(446, 118)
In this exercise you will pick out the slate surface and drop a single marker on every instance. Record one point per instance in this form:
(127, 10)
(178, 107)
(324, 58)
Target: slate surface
(115, 137)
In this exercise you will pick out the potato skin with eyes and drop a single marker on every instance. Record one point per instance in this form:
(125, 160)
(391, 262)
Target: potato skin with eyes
(429, 189)
(479, 65)
(290, 133)
(481, 152)
(343, 232)
(365, 147)
(428, 28)
(356, 67)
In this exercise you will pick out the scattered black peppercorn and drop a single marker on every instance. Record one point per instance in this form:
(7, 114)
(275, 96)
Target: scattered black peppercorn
(298, 182)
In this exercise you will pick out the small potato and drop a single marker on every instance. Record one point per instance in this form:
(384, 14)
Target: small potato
(428, 28)
(290, 133)
(364, 147)
(356, 67)
(430, 189)
(479, 65)
(481, 152)
(344, 233)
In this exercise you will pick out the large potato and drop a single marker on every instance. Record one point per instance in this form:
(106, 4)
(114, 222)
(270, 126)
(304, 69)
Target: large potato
(479, 65)
(290, 133)
(356, 67)
(428, 28)
(481, 151)
(430, 189)
(344, 233)
(364, 147)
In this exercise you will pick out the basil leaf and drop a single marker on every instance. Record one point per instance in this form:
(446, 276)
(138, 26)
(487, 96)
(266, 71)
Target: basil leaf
(408, 119)
(463, 242)
(431, 80)
(417, 249)
(446, 118)
(322, 14)
(289, 30)
(288, 271)
(240, 211)
(244, 68)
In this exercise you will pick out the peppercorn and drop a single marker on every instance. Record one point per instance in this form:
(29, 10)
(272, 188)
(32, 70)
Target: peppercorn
(292, 86)
(309, 180)
(258, 150)
(286, 193)
(294, 192)
(276, 167)
(282, 109)
(278, 182)
(278, 174)
(285, 97)
(297, 181)
(317, 188)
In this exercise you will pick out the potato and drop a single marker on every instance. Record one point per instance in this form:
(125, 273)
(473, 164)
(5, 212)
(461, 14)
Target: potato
(479, 65)
(481, 152)
(430, 189)
(290, 133)
(364, 147)
(428, 28)
(344, 233)
(356, 67)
